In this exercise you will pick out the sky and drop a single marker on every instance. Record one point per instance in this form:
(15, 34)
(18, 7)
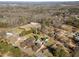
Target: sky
(39, 0)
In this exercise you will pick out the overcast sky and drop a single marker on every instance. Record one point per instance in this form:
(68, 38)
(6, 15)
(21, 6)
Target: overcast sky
(39, 0)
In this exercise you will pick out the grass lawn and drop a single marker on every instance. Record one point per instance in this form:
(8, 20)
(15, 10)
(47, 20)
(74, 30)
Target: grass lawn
(4, 48)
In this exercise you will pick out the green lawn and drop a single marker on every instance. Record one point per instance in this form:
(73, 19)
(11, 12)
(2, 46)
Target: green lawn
(4, 48)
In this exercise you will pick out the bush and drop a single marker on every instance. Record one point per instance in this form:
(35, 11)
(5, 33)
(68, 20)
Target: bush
(73, 10)
(60, 53)
(73, 21)
(4, 24)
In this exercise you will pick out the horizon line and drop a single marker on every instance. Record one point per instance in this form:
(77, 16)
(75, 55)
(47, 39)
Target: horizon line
(39, 1)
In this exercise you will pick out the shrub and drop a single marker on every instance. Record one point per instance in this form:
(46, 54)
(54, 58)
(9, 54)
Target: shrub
(73, 21)
(60, 53)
